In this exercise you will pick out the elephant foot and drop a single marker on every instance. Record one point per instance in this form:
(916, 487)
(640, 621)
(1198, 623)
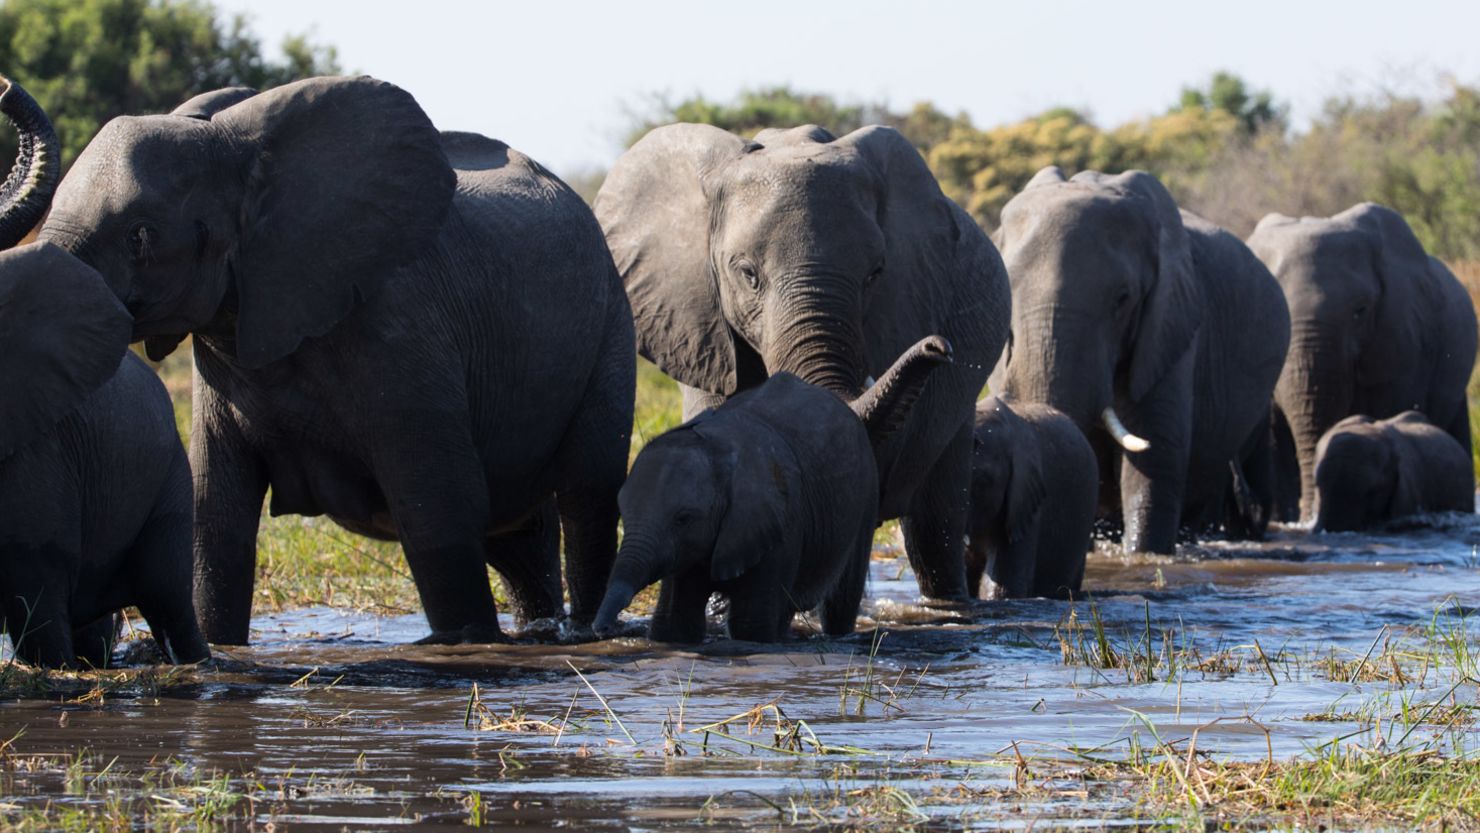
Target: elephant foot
(469, 635)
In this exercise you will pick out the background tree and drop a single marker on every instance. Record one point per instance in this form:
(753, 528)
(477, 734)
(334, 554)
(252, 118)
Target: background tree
(87, 61)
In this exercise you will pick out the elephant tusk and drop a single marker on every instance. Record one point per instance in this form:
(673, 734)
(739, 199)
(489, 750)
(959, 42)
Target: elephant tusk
(1127, 440)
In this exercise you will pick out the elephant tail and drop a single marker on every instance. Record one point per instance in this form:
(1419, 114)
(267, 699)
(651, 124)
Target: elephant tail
(885, 406)
(27, 192)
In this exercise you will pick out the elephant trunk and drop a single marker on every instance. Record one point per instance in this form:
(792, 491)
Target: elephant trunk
(1314, 392)
(818, 339)
(1059, 357)
(33, 178)
(639, 563)
(885, 406)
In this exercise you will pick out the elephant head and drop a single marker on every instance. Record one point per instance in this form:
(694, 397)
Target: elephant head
(62, 333)
(1361, 478)
(1007, 488)
(1104, 299)
(748, 258)
(256, 220)
(1354, 286)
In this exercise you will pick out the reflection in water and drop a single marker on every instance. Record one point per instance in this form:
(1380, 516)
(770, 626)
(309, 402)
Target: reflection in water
(348, 725)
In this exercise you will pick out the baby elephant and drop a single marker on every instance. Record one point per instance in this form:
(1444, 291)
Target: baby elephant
(770, 499)
(95, 496)
(1034, 486)
(1370, 471)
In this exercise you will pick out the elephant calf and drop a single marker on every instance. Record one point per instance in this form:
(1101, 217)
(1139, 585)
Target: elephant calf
(1370, 471)
(95, 506)
(1033, 497)
(771, 499)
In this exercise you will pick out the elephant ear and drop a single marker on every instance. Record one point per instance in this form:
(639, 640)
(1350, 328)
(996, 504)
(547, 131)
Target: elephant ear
(656, 215)
(207, 105)
(1402, 269)
(62, 336)
(755, 519)
(348, 184)
(1025, 492)
(1171, 312)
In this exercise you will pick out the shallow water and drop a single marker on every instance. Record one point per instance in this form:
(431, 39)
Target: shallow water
(344, 724)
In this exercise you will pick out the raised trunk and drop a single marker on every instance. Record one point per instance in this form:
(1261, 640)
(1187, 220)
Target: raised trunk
(1314, 392)
(38, 165)
(638, 565)
(885, 406)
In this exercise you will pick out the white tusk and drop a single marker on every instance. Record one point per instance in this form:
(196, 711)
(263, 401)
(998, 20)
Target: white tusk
(1127, 440)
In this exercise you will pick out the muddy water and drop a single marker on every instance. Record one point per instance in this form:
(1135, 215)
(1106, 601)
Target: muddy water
(342, 724)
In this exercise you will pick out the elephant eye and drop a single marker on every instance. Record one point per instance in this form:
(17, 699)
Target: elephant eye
(684, 518)
(748, 274)
(141, 239)
(1359, 312)
(874, 275)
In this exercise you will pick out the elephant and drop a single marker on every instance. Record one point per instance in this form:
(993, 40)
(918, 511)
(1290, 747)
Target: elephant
(1158, 333)
(1378, 327)
(1033, 498)
(1370, 471)
(419, 334)
(826, 258)
(771, 499)
(95, 508)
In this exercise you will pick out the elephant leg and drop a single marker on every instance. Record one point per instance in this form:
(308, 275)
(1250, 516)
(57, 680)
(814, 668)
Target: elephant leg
(759, 611)
(601, 440)
(1459, 428)
(935, 527)
(679, 616)
(976, 555)
(528, 562)
(1153, 509)
(1286, 483)
(230, 484)
(94, 642)
(37, 613)
(438, 496)
(160, 563)
(839, 612)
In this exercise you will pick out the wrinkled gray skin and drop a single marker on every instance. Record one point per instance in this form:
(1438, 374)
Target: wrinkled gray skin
(1378, 327)
(1370, 471)
(94, 487)
(383, 320)
(770, 499)
(1120, 300)
(1033, 497)
(822, 257)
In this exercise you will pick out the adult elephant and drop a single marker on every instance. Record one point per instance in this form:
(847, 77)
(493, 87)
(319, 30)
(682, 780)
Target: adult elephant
(383, 320)
(826, 258)
(1158, 333)
(1379, 327)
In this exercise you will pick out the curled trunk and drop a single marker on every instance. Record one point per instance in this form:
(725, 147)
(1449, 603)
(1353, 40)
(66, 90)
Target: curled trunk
(38, 165)
(885, 406)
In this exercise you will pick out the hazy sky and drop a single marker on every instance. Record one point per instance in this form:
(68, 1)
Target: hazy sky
(559, 79)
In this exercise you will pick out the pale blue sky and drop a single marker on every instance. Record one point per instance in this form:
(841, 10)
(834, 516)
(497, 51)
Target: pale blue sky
(557, 78)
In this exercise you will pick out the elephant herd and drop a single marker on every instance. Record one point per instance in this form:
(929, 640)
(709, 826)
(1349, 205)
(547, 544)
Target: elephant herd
(429, 338)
